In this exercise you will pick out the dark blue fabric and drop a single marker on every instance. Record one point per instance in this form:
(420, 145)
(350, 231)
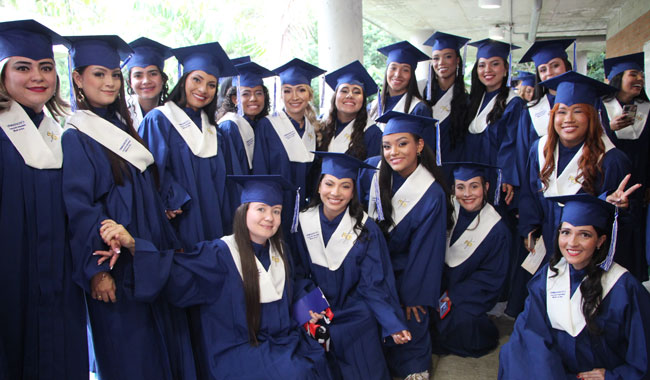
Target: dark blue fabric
(230, 131)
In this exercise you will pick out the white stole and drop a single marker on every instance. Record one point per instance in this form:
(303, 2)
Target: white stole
(479, 124)
(565, 311)
(339, 245)
(245, 131)
(540, 114)
(298, 149)
(111, 137)
(399, 107)
(202, 142)
(39, 147)
(567, 182)
(472, 237)
(271, 281)
(341, 142)
(635, 130)
(134, 110)
(442, 108)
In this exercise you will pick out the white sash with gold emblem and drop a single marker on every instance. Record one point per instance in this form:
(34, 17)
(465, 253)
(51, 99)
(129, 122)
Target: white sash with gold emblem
(339, 245)
(245, 131)
(271, 281)
(635, 130)
(202, 142)
(298, 149)
(111, 137)
(472, 237)
(540, 114)
(442, 108)
(567, 182)
(399, 107)
(479, 124)
(39, 147)
(341, 142)
(565, 311)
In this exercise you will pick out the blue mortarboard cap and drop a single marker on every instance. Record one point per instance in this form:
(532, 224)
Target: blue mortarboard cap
(267, 189)
(526, 78)
(240, 60)
(398, 122)
(251, 74)
(403, 52)
(341, 165)
(573, 88)
(297, 72)
(541, 52)
(106, 51)
(148, 52)
(489, 48)
(353, 73)
(464, 171)
(208, 57)
(440, 40)
(28, 38)
(616, 65)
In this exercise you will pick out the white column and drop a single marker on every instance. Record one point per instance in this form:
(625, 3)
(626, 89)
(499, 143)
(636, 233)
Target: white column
(646, 64)
(580, 65)
(422, 71)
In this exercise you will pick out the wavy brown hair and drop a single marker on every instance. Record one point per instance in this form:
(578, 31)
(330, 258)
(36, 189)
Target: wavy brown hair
(590, 163)
(357, 147)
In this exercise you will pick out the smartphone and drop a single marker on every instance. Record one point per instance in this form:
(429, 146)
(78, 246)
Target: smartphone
(444, 306)
(630, 111)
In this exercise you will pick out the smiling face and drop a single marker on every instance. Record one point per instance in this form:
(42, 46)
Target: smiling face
(349, 99)
(551, 69)
(491, 72)
(252, 100)
(571, 124)
(147, 82)
(100, 85)
(296, 99)
(578, 244)
(29, 82)
(470, 193)
(200, 89)
(263, 221)
(401, 152)
(398, 76)
(632, 82)
(335, 194)
(445, 62)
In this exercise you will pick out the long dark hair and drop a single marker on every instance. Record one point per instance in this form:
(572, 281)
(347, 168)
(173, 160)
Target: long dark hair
(476, 95)
(357, 147)
(164, 93)
(227, 105)
(250, 274)
(591, 288)
(541, 91)
(428, 160)
(617, 82)
(178, 96)
(459, 102)
(412, 91)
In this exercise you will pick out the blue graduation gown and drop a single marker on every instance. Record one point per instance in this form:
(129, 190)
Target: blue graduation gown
(230, 131)
(208, 277)
(417, 248)
(371, 138)
(196, 185)
(43, 320)
(623, 348)
(362, 295)
(473, 288)
(447, 152)
(128, 335)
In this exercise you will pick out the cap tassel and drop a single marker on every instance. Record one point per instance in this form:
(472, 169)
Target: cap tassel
(240, 106)
(296, 208)
(379, 107)
(429, 96)
(464, 60)
(275, 96)
(180, 71)
(497, 190)
(378, 206)
(322, 92)
(438, 152)
(609, 260)
(73, 100)
(574, 56)
(510, 66)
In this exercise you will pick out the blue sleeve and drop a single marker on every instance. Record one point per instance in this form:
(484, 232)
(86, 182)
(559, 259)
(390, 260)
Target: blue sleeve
(523, 145)
(264, 136)
(303, 283)
(422, 109)
(372, 138)
(364, 181)
(506, 158)
(531, 213)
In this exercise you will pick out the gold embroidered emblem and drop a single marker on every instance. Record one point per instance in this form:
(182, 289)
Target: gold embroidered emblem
(211, 130)
(275, 259)
(346, 236)
(402, 203)
(445, 108)
(52, 136)
(573, 179)
(468, 243)
(348, 136)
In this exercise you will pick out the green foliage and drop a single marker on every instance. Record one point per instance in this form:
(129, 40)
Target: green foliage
(595, 67)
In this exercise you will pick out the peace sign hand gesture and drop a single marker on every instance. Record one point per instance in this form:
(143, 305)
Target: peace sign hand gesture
(619, 197)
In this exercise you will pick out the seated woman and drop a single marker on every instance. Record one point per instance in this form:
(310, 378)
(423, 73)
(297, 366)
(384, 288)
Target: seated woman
(242, 286)
(476, 264)
(343, 252)
(585, 317)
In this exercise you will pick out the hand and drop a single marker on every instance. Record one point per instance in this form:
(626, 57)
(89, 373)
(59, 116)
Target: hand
(595, 374)
(621, 121)
(530, 242)
(171, 214)
(619, 197)
(401, 337)
(414, 310)
(115, 234)
(509, 191)
(102, 287)
(315, 316)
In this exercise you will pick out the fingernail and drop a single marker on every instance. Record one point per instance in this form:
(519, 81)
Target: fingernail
(117, 250)
(94, 253)
(111, 268)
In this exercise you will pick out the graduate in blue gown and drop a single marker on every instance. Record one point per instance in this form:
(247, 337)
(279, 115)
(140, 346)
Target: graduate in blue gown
(578, 145)
(247, 101)
(243, 287)
(525, 85)
(414, 212)
(476, 265)
(147, 82)
(447, 96)
(43, 319)
(344, 253)
(108, 173)
(192, 157)
(586, 317)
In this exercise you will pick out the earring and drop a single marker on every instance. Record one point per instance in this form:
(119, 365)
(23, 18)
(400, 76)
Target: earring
(80, 94)
(457, 68)
(420, 154)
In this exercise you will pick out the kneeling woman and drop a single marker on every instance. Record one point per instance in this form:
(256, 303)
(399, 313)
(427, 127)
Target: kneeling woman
(585, 317)
(476, 264)
(344, 253)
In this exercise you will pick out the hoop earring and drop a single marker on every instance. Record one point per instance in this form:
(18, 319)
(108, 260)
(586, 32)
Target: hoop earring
(80, 95)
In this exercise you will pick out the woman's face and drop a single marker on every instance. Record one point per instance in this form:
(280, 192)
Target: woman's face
(252, 100)
(401, 152)
(336, 194)
(470, 193)
(632, 82)
(262, 221)
(100, 85)
(349, 99)
(29, 82)
(147, 82)
(445, 62)
(526, 92)
(491, 72)
(571, 124)
(551, 69)
(200, 89)
(578, 244)
(398, 76)
(296, 98)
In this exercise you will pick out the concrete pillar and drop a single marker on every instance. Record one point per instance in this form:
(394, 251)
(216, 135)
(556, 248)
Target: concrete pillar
(646, 52)
(422, 73)
(581, 62)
